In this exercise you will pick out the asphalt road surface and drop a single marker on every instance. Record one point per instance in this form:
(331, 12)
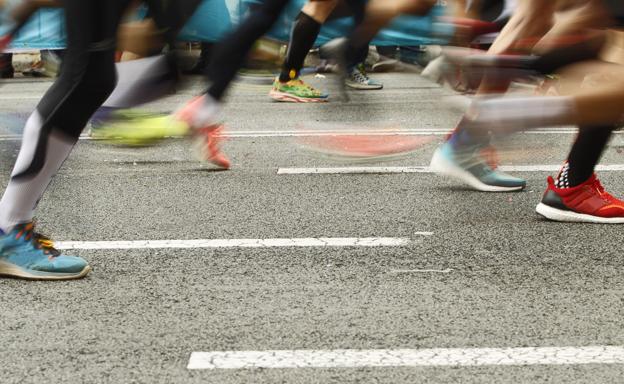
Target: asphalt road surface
(453, 271)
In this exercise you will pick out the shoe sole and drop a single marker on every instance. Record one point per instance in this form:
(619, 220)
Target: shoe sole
(288, 98)
(11, 270)
(360, 87)
(561, 215)
(442, 166)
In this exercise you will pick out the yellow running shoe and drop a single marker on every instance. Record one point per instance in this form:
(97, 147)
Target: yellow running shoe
(133, 129)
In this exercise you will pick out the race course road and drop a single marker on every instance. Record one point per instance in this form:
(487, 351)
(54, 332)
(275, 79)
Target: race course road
(362, 273)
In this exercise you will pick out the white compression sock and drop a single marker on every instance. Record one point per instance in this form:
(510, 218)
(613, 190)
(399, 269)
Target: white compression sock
(22, 195)
(139, 81)
(508, 115)
(207, 113)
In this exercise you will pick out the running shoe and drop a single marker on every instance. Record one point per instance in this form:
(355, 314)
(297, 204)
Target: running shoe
(585, 203)
(468, 166)
(138, 129)
(357, 78)
(296, 91)
(364, 146)
(206, 132)
(28, 255)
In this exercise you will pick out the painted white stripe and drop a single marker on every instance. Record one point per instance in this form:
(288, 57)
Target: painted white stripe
(20, 97)
(407, 271)
(318, 133)
(425, 169)
(244, 243)
(350, 358)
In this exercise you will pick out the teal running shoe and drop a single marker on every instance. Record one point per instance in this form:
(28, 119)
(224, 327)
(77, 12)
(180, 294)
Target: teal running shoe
(468, 166)
(28, 255)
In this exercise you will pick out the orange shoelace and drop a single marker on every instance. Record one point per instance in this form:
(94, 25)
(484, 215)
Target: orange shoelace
(39, 241)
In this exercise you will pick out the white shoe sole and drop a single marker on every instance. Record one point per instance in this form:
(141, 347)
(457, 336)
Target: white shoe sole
(361, 87)
(288, 98)
(573, 217)
(10, 270)
(442, 166)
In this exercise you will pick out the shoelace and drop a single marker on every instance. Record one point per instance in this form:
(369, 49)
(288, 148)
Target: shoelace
(361, 74)
(304, 85)
(38, 240)
(602, 192)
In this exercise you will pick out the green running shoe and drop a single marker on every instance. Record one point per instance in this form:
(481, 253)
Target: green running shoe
(296, 91)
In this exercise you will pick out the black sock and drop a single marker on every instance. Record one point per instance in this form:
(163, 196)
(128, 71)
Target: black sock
(230, 53)
(305, 30)
(586, 152)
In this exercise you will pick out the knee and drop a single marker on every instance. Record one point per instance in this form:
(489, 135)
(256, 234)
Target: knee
(319, 10)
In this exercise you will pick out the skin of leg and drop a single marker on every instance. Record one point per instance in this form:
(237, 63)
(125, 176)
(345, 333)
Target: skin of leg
(320, 10)
(600, 104)
(574, 18)
(140, 38)
(533, 18)
(396, 7)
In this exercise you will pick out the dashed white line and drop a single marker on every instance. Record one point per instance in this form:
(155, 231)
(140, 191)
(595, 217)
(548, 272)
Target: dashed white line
(244, 243)
(425, 169)
(352, 358)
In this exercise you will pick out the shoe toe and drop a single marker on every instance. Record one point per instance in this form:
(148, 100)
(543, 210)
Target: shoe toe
(62, 264)
(504, 180)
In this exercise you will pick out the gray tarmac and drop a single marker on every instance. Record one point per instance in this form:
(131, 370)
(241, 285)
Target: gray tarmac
(515, 279)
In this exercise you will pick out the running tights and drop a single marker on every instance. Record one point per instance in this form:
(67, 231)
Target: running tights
(87, 78)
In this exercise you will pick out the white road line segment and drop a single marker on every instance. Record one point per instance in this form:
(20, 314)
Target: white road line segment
(242, 243)
(345, 132)
(351, 358)
(425, 169)
(408, 271)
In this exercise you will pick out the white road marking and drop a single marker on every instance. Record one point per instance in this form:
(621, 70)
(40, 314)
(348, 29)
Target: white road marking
(340, 132)
(406, 271)
(20, 97)
(243, 243)
(351, 358)
(425, 169)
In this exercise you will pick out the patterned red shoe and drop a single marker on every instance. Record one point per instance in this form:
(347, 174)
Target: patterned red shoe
(585, 203)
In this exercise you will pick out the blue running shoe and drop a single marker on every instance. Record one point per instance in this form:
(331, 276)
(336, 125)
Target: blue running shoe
(468, 166)
(28, 255)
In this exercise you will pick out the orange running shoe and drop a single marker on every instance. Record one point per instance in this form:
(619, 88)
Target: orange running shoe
(207, 134)
(209, 140)
(585, 203)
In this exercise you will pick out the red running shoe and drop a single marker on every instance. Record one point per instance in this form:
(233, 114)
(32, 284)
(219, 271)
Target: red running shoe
(585, 203)
(209, 140)
(208, 136)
